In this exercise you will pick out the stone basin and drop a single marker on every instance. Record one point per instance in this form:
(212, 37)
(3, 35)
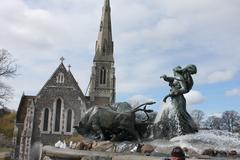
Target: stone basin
(49, 152)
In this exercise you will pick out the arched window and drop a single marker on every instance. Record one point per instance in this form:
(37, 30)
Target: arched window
(101, 26)
(60, 78)
(103, 76)
(69, 121)
(45, 119)
(58, 115)
(104, 47)
(103, 50)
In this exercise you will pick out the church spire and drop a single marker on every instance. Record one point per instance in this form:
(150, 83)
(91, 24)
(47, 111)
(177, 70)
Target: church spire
(102, 82)
(104, 44)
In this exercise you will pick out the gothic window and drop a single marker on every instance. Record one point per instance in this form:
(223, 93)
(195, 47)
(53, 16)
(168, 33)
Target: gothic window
(103, 76)
(101, 26)
(104, 47)
(106, 9)
(69, 121)
(45, 119)
(58, 115)
(60, 78)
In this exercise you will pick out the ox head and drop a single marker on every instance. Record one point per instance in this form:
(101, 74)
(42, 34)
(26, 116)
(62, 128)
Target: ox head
(82, 129)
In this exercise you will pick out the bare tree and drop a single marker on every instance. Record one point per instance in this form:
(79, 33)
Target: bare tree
(7, 70)
(231, 120)
(197, 116)
(213, 122)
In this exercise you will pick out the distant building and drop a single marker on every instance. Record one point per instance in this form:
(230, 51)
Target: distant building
(52, 113)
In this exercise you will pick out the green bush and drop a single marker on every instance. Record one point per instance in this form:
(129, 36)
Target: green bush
(7, 124)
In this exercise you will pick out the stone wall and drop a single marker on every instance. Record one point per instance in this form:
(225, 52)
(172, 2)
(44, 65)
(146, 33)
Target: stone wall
(71, 98)
(69, 154)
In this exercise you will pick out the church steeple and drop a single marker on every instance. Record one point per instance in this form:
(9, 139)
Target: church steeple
(104, 44)
(102, 82)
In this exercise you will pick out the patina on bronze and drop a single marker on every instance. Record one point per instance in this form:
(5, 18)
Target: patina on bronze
(115, 123)
(181, 122)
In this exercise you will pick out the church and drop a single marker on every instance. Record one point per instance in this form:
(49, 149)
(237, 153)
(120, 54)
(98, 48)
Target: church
(51, 114)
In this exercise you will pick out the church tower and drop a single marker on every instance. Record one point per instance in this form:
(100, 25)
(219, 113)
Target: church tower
(102, 82)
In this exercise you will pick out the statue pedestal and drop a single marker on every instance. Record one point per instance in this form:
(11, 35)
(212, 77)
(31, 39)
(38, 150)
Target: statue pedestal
(66, 154)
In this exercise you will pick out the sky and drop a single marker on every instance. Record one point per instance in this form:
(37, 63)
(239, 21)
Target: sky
(150, 38)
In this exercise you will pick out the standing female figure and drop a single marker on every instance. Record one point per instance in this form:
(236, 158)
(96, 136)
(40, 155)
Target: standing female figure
(181, 84)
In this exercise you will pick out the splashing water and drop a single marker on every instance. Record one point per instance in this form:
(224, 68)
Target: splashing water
(204, 139)
(165, 106)
(167, 124)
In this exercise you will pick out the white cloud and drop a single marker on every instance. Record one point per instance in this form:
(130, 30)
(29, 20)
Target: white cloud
(194, 97)
(220, 76)
(150, 37)
(233, 92)
(181, 33)
(137, 100)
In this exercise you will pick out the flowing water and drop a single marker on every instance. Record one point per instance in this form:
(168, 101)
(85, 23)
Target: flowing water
(204, 139)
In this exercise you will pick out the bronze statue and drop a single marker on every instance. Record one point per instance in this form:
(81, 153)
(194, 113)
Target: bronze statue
(116, 123)
(181, 83)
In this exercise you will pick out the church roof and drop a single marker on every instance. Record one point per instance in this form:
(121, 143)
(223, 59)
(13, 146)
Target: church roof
(70, 81)
(76, 84)
(22, 109)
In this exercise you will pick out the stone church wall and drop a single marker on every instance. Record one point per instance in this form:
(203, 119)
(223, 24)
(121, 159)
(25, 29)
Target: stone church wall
(47, 99)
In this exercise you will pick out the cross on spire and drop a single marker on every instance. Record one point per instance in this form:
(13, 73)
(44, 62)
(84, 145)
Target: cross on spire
(69, 67)
(62, 59)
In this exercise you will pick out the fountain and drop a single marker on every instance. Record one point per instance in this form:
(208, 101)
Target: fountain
(174, 119)
(132, 130)
(173, 125)
(119, 121)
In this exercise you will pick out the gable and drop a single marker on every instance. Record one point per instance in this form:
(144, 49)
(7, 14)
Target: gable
(61, 78)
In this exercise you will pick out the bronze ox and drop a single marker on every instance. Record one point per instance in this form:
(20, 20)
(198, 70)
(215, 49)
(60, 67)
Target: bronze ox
(107, 123)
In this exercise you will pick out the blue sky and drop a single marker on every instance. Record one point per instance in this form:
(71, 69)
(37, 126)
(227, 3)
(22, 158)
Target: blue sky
(151, 38)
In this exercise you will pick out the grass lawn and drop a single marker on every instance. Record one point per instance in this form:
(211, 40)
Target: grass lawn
(5, 150)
